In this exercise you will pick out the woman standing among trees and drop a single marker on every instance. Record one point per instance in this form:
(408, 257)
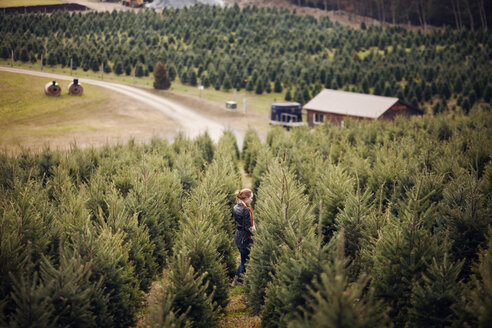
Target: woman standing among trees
(245, 227)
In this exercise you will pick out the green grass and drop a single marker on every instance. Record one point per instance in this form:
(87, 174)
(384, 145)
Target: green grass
(254, 102)
(22, 99)
(18, 3)
(237, 314)
(27, 115)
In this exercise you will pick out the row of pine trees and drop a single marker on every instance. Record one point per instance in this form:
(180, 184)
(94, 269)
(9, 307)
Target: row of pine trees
(262, 51)
(84, 234)
(375, 224)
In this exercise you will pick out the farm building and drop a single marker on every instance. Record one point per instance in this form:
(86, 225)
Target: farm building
(336, 106)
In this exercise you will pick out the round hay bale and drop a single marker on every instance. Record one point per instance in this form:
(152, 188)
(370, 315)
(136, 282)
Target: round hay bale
(52, 89)
(75, 88)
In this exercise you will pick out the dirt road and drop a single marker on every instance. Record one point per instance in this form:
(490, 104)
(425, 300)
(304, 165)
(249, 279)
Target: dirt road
(98, 5)
(190, 122)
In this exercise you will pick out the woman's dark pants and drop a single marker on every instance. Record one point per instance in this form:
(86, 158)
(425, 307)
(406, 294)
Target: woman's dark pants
(244, 251)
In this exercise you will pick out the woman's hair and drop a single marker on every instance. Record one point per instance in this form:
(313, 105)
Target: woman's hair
(243, 194)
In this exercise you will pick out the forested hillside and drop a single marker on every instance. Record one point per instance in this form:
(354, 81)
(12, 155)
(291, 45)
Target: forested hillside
(471, 14)
(262, 50)
(368, 225)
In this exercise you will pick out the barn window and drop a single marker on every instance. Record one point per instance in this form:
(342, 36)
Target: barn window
(319, 118)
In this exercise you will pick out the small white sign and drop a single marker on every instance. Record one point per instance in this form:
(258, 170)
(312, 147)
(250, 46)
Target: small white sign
(200, 87)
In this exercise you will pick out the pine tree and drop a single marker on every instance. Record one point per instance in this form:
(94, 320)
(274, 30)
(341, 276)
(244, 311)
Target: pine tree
(466, 217)
(188, 290)
(288, 95)
(228, 145)
(217, 84)
(128, 69)
(335, 302)
(354, 219)
(251, 147)
(183, 77)
(161, 77)
(263, 162)
(401, 256)
(95, 64)
(203, 150)
(277, 86)
(296, 271)
(227, 84)
(32, 306)
(24, 234)
(52, 59)
(217, 189)
(259, 87)
(24, 55)
(434, 297)
(466, 105)
(480, 297)
(118, 67)
(107, 67)
(203, 236)
(185, 170)
(205, 80)
(162, 311)
(192, 77)
(332, 187)
(282, 211)
(77, 300)
(172, 72)
(249, 85)
(487, 94)
(141, 248)
(110, 265)
(139, 70)
(155, 199)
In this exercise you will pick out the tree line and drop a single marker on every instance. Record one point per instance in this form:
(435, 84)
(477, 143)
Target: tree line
(459, 14)
(262, 50)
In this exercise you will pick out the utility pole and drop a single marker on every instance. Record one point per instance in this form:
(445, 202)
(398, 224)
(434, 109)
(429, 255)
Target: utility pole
(71, 64)
(12, 61)
(102, 71)
(41, 62)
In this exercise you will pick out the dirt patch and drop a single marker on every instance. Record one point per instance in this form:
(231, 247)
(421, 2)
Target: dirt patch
(98, 5)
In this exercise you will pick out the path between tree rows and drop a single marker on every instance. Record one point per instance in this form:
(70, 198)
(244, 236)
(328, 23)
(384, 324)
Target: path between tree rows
(237, 314)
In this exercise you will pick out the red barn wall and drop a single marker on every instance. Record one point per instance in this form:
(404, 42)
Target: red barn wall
(399, 108)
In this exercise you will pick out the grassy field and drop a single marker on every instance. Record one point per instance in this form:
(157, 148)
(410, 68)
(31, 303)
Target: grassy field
(30, 119)
(18, 3)
(255, 103)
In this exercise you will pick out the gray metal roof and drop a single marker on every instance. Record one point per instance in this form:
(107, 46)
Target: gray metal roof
(350, 103)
